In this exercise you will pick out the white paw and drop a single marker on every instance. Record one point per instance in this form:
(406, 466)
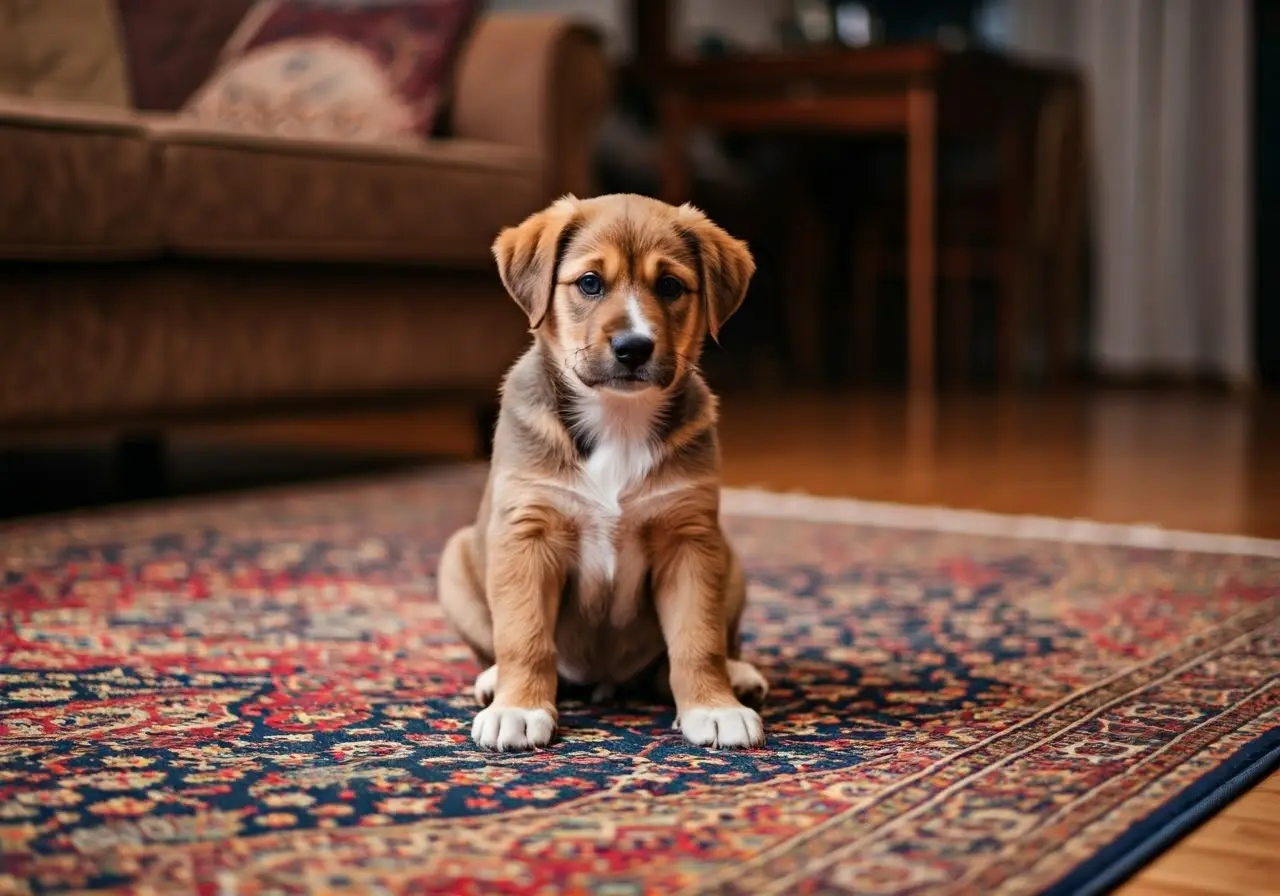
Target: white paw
(730, 726)
(507, 728)
(604, 692)
(748, 684)
(486, 685)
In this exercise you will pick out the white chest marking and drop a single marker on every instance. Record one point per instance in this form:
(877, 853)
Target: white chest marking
(623, 455)
(612, 468)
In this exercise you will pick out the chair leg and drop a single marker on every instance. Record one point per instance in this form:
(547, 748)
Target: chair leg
(1009, 348)
(805, 258)
(1063, 291)
(1009, 328)
(866, 282)
(958, 297)
(1016, 142)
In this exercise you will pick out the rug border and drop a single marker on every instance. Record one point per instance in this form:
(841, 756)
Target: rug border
(794, 505)
(1129, 854)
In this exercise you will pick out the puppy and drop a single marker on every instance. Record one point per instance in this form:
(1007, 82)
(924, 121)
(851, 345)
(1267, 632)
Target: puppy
(597, 555)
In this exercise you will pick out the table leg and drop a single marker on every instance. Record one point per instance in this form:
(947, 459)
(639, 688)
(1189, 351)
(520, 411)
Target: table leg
(922, 163)
(676, 184)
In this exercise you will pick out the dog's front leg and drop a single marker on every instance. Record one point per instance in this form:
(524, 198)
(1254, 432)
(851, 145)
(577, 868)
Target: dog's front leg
(691, 568)
(525, 577)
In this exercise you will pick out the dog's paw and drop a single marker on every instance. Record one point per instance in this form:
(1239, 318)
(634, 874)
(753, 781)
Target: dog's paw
(508, 728)
(486, 685)
(748, 684)
(731, 726)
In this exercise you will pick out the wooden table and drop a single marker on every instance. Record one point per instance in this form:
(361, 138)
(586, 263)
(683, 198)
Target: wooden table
(918, 91)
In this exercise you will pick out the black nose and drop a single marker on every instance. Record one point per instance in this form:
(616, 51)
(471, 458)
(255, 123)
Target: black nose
(631, 349)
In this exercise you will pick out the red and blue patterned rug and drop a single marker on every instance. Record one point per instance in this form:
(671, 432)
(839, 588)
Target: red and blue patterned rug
(259, 695)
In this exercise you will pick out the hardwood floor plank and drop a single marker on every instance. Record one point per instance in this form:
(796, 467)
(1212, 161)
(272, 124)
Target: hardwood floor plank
(1270, 785)
(1215, 871)
(1228, 833)
(1144, 887)
(1260, 806)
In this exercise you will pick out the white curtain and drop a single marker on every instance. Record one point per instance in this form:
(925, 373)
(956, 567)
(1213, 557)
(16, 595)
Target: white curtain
(1169, 87)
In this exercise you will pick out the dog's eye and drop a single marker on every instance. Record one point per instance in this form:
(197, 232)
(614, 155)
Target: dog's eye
(669, 288)
(590, 285)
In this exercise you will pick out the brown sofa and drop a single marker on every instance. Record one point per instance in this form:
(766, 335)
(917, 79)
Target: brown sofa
(151, 270)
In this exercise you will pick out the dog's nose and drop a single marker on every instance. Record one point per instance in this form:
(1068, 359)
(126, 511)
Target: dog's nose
(631, 349)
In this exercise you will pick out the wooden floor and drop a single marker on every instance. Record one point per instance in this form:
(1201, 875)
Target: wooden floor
(1192, 461)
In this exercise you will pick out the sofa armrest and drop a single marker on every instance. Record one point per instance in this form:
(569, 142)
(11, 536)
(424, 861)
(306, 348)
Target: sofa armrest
(539, 82)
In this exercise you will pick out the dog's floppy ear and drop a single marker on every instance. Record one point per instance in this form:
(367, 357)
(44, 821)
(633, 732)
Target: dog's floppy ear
(528, 254)
(724, 264)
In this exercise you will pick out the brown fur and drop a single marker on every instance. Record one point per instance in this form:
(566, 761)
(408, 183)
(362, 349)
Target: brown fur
(597, 553)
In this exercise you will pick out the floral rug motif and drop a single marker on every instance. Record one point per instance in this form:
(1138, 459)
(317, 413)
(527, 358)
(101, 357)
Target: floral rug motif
(259, 694)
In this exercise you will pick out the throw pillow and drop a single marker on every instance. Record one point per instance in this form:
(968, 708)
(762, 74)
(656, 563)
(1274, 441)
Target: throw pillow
(345, 69)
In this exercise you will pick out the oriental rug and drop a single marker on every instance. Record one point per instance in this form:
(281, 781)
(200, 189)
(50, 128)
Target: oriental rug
(258, 694)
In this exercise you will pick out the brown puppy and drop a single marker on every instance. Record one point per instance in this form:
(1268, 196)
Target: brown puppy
(597, 555)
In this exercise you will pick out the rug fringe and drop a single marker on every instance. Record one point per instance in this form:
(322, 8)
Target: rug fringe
(799, 505)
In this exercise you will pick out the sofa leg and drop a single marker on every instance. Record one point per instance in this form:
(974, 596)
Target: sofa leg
(486, 419)
(140, 465)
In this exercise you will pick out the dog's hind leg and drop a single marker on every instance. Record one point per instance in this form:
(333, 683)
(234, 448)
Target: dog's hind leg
(460, 591)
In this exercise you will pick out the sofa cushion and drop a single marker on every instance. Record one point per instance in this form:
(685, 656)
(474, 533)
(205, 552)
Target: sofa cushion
(85, 184)
(307, 68)
(62, 50)
(171, 46)
(243, 195)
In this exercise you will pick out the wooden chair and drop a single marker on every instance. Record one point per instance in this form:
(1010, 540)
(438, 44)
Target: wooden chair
(1035, 265)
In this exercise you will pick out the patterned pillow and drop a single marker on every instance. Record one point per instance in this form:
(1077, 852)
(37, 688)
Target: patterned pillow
(344, 69)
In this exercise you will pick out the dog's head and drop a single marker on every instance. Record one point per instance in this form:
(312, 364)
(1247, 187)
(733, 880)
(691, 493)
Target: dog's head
(623, 289)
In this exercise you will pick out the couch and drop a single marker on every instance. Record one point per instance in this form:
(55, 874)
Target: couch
(152, 270)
